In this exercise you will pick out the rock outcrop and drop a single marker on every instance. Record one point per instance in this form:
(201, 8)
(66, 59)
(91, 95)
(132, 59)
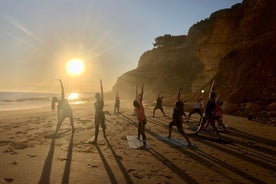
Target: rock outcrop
(235, 47)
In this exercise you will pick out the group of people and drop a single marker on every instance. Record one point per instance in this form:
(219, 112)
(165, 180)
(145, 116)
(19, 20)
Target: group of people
(208, 116)
(65, 111)
(211, 113)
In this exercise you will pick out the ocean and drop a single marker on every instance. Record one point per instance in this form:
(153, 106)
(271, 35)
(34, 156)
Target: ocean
(32, 100)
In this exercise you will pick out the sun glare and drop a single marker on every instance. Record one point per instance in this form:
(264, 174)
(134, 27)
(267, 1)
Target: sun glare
(75, 67)
(73, 96)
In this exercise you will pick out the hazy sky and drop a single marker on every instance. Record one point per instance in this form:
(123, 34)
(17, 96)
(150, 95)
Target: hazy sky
(37, 38)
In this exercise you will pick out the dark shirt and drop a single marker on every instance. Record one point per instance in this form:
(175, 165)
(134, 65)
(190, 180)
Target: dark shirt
(210, 107)
(99, 106)
(159, 102)
(178, 111)
(117, 102)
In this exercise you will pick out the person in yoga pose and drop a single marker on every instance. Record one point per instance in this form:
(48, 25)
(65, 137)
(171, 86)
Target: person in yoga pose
(99, 113)
(178, 113)
(209, 116)
(158, 105)
(197, 108)
(63, 108)
(140, 114)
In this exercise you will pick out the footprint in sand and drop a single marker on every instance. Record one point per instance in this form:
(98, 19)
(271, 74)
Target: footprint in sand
(13, 163)
(62, 159)
(92, 165)
(8, 180)
(31, 155)
(10, 151)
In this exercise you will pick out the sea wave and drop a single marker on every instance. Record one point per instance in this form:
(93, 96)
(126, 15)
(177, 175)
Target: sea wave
(27, 100)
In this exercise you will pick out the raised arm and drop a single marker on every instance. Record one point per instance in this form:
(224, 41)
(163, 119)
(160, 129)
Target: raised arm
(137, 96)
(212, 87)
(142, 93)
(179, 93)
(217, 98)
(102, 95)
(62, 89)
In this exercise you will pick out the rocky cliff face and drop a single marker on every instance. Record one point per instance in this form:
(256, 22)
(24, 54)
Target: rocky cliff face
(235, 47)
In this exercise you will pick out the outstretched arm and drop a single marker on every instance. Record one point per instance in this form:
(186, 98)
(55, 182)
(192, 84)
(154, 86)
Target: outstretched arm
(137, 96)
(62, 89)
(102, 95)
(142, 93)
(179, 93)
(218, 98)
(212, 87)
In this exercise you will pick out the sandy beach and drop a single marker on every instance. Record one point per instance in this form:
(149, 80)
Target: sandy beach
(31, 154)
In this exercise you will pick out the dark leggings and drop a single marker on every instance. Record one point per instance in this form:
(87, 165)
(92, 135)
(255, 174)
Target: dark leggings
(141, 129)
(99, 120)
(178, 124)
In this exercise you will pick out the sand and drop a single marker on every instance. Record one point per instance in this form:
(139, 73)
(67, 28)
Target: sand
(31, 154)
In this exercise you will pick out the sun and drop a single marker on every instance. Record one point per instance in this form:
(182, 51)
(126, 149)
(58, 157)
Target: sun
(75, 67)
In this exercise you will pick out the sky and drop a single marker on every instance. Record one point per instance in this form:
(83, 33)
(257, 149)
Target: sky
(38, 38)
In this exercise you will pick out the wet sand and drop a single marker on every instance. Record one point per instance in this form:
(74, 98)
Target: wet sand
(31, 154)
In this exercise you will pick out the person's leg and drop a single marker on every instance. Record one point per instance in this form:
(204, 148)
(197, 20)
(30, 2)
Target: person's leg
(162, 110)
(96, 128)
(60, 120)
(206, 125)
(143, 123)
(181, 131)
(201, 114)
(172, 123)
(212, 122)
(221, 123)
(202, 124)
(153, 113)
(139, 129)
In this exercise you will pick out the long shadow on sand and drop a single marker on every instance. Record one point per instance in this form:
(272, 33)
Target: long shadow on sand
(255, 138)
(229, 140)
(235, 150)
(66, 173)
(212, 164)
(121, 166)
(106, 165)
(185, 177)
(46, 171)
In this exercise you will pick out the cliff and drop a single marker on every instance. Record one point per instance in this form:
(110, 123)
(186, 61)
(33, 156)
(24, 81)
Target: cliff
(235, 47)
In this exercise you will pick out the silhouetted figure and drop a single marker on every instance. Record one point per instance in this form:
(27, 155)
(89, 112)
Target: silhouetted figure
(197, 108)
(140, 114)
(177, 121)
(209, 116)
(99, 113)
(159, 105)
(63, 108)
(117, 104)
